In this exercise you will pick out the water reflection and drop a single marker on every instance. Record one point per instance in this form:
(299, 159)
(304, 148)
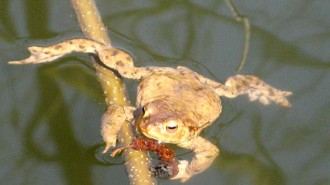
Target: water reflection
(50, 113)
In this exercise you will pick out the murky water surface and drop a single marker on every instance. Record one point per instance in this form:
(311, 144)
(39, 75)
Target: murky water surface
(50, 113)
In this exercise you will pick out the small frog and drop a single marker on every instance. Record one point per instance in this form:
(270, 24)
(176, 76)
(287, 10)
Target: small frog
(173, 104)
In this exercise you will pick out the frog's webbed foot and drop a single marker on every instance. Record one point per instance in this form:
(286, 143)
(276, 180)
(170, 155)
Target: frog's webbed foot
(112, 119)
(256, 89)
(53, 52)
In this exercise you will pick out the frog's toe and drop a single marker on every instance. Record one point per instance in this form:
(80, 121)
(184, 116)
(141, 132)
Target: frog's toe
(106, 148)
(110, 142)
(183, 175)
(280, 98)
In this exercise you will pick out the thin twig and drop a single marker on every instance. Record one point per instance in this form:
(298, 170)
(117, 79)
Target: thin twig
(137, 162)
(247, 32)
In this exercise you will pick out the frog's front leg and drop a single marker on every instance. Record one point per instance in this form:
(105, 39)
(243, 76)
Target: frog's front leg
(112, 119)
(254, 87)
(205, 153)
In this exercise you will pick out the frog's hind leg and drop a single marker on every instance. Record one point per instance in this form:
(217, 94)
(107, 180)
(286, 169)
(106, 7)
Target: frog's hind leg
(256, 89)
(122, 62)
(110, 57)
(55, 51)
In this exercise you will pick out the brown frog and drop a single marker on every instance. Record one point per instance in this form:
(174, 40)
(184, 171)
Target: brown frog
(175, 104)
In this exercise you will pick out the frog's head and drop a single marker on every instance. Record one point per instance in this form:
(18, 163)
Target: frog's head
(165, 122)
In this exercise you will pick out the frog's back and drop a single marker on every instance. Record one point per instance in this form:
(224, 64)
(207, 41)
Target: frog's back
(184, 93)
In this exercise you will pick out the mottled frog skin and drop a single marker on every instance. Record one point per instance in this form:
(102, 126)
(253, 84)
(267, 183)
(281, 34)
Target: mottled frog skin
(173, 104)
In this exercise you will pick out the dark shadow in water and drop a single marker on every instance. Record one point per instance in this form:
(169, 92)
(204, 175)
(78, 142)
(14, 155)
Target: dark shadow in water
(52, 110)
(5, 19)
(38, 10)
(241, 165)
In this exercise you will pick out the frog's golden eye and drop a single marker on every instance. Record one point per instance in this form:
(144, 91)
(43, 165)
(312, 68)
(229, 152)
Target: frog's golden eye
(171, 126)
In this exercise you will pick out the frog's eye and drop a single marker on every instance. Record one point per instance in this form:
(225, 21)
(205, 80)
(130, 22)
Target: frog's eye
(171, 126)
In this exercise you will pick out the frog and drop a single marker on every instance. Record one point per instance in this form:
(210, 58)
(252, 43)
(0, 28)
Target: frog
(173, 104)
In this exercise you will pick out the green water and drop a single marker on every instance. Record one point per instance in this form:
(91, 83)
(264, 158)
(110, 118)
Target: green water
(50, 113)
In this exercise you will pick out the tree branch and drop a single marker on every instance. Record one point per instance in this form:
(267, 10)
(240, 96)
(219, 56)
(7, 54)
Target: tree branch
(137, 163)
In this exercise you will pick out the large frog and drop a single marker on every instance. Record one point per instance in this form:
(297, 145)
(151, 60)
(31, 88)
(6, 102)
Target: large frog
(173, 104)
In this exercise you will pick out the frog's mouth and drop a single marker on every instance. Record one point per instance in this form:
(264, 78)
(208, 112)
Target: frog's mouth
(140, 124)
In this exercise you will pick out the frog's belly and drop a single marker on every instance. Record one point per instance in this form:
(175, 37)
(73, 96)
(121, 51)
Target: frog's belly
(186, 94)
